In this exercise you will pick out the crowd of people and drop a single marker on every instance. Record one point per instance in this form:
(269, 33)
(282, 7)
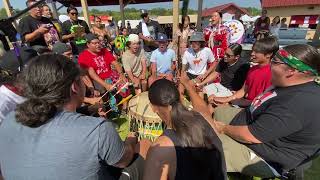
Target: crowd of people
(254, 116)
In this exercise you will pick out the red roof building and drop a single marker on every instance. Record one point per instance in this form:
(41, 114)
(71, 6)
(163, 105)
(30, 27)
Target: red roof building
(286, 3)
(230, 8)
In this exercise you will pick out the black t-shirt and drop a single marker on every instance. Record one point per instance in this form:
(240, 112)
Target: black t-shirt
(154, 28)
(286, 121)
(10, 62)
(199, 162)
(29, 24)
(233, 77)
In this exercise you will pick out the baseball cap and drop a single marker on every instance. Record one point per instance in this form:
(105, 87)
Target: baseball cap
(10, 62)
(134, 38)
(89, 37)
(60, 48)
(162, 37)
(197, 36)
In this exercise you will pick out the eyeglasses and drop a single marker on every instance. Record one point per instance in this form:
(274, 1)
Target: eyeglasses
(228, 55)
(74, 14)
(274, 61)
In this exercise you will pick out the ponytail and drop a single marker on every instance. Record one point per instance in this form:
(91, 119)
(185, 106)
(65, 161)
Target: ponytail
(35, 112)
(190, 126)
(47, 81)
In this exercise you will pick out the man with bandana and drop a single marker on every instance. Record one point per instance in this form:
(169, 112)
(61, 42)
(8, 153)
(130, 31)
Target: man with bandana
(280, 129)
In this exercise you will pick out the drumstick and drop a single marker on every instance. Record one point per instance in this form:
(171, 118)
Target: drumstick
(121, 102)
(124, 86)
(112, 87)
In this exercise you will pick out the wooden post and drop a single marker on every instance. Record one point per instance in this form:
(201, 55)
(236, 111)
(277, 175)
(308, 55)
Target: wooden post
(54, 10)
(200, 2)
(7, 5)
(122, 13)
(85, 11)
(175, 12)
(316, 37)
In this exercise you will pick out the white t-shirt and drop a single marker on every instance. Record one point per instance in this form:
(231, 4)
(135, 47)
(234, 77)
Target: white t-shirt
(197, 61)
(9, 101)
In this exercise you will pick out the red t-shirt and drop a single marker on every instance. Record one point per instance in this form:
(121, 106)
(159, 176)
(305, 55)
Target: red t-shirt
(101, 63)
(258, 80)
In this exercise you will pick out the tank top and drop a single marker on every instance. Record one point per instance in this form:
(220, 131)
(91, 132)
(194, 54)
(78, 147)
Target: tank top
(199, 163)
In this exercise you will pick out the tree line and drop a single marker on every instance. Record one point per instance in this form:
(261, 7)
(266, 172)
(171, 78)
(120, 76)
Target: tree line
(132, 13)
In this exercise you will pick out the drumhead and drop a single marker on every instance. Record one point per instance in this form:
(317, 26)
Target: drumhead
(140, 108)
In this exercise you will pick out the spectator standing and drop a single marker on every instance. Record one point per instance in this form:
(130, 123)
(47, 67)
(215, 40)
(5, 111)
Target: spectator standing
(148, 31)
(37, 30)
(74, 31)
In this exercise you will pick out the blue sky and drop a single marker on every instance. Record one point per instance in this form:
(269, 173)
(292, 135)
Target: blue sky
(193, 4)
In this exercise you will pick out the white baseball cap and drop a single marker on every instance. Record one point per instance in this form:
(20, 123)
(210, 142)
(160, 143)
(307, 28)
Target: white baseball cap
(133, 38)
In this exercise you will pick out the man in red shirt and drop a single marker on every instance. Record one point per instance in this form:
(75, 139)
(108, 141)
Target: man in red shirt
(98, 61)
(259, 76)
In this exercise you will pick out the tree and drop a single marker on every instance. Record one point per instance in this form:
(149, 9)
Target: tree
(3, 13)
(253, 11)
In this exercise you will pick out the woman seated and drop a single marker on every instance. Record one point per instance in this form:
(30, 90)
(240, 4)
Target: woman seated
(189, 148)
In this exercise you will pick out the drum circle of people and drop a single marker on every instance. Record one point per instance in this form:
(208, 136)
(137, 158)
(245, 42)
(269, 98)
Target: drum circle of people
(256, 117)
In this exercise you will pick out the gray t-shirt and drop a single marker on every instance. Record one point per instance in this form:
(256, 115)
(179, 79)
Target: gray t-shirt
(70, 146)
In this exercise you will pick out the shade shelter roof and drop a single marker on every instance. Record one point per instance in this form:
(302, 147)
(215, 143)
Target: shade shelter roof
(108, 2)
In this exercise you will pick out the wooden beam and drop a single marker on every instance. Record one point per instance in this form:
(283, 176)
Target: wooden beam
(7, 6)
(316, 37)
(122, 13)
(54, 10)
(175, 16)
(199, 22)
(85, 11)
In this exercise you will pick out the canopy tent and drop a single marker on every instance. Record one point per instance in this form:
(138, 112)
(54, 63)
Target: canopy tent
(108, 2)
(246, 18)
(122, 3)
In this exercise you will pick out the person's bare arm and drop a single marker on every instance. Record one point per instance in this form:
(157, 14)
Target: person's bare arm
(129, 152)
(198, 103)
(239, 133)
(68, 37)
(96, 78)
(153, 69)
(209, 79)
(142, 37)
(161, 160)
(35, 34)
(144, 69)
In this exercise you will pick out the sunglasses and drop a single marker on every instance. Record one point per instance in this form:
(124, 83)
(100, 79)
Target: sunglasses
(228, 55)
(74, 14)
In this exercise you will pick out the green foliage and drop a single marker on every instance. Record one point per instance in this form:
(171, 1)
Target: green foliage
(3, 13)
(132, 13)
(253, 11)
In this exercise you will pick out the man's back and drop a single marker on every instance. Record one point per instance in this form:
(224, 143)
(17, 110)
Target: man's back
(69, 146)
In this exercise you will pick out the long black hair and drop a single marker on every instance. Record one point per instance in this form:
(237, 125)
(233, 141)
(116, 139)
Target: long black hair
(47, 81)
(236, 49)
(183, 20)
(190, 127)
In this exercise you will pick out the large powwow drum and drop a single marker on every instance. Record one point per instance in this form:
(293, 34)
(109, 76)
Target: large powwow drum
(143, 120)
